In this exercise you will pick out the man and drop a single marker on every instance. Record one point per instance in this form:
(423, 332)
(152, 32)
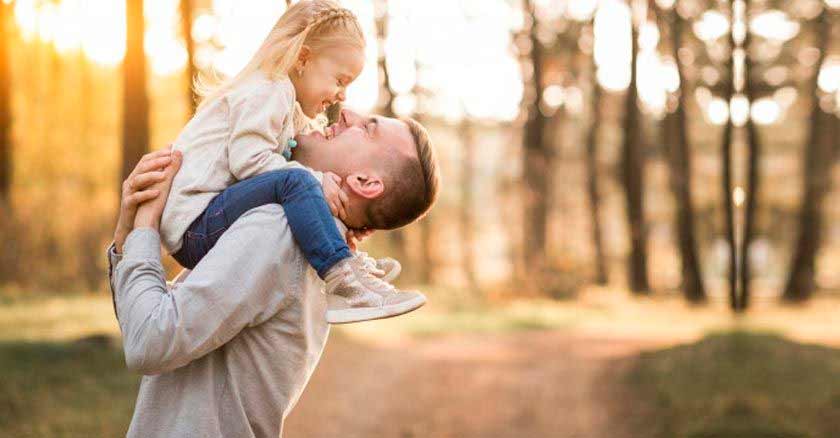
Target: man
(228, 350)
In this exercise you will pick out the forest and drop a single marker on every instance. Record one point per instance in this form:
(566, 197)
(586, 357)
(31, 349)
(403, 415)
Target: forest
(664, 170)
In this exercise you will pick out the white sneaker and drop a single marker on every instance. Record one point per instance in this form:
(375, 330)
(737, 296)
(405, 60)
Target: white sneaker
(354, 294)
(386, 268)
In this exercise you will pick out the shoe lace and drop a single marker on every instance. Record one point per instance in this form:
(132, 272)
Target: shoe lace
(379, 283)
(373, 281)
(369, 263)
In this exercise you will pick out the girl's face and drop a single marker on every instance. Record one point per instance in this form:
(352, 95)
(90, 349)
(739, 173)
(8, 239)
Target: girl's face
(325, 77)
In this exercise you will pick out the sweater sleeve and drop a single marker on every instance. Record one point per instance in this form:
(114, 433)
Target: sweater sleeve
(241, 283)
(258, 116)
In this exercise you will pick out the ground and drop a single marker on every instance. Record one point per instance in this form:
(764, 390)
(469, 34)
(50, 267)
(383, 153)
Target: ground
(531, 384)
(603, 365)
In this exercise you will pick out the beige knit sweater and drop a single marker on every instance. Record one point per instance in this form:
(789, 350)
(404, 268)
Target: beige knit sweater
(236, 136)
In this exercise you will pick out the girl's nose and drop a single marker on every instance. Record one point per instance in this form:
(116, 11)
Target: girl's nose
(340, 96)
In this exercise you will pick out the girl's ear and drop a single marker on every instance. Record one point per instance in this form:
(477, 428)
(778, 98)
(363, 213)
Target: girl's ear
(365, 185)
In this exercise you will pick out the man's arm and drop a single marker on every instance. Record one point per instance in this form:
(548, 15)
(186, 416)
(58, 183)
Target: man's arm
(235, 285)
(142, 185)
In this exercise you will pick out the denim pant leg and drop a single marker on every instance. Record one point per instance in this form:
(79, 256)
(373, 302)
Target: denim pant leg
(307, 213)
(202, 234)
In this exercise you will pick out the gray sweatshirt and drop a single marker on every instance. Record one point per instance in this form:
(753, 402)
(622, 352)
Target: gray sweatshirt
(227, 349)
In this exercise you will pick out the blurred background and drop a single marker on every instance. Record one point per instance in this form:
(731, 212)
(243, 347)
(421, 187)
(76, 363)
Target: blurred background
(636, 234)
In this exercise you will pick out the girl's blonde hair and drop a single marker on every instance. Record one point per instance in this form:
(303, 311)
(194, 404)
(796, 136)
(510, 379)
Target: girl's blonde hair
(318, 24)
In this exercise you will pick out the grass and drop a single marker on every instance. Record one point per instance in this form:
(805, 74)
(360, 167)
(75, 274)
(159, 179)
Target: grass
(51, 389)
(480, 318)
(61, 376)
(739, 384)
(56, 318)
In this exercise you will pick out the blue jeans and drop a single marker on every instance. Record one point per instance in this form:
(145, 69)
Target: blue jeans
(298, 191)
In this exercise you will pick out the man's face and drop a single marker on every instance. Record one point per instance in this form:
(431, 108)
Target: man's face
(356, 143)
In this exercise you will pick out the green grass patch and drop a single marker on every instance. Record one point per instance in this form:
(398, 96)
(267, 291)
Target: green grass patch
(743, 385)
(66, 389)
(56, 318)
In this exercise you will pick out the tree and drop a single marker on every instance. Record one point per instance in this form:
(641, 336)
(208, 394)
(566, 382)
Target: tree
(186, 29)
(466, 208)
(726, 157)
(536, 156)
(818, 158)
(632, 162)
(135, 98)
(592, 180)
(5, 109)
(753, 157)
(679, 157)
(592, 186)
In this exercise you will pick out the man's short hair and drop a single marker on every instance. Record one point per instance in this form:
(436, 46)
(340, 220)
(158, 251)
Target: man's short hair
(410, 188)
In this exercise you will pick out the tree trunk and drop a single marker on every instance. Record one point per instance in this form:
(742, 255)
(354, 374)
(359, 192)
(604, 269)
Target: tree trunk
(601, 277)
(536, 163)
(754, 156)
(680, 160)
(426, 261)
(466, 209)
(633, 178)
(726, 157)
(135, 99)
(818, 159)
(5, 109)
(186, 29)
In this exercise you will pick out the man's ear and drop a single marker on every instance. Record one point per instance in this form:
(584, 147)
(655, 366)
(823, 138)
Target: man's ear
(303, 57)
(365, 185)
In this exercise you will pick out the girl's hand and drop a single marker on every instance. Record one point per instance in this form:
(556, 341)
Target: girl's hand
(336, 198)
(136, 189)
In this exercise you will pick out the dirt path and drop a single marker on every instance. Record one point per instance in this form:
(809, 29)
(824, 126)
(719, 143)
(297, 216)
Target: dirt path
(527, 384)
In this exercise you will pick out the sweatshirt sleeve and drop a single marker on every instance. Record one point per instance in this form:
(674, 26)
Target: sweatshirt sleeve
(236, 285)
(258, 114)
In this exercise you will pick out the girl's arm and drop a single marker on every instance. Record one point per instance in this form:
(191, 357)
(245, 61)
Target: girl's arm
(257, 117)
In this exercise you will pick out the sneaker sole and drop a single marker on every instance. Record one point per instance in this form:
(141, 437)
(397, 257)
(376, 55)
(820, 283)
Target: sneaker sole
(346, 316)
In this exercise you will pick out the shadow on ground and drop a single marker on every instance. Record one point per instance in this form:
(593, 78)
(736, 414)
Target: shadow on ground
(72, 389)
(735, 385)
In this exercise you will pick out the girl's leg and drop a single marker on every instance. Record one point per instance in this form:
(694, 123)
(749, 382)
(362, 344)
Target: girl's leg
(307, 213)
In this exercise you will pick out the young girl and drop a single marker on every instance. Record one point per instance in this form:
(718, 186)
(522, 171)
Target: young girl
(237, 149)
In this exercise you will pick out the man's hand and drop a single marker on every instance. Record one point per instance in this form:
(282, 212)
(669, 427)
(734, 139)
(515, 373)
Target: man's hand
(336, 198)
(355, 237)
(140, 187)
(149, 212)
